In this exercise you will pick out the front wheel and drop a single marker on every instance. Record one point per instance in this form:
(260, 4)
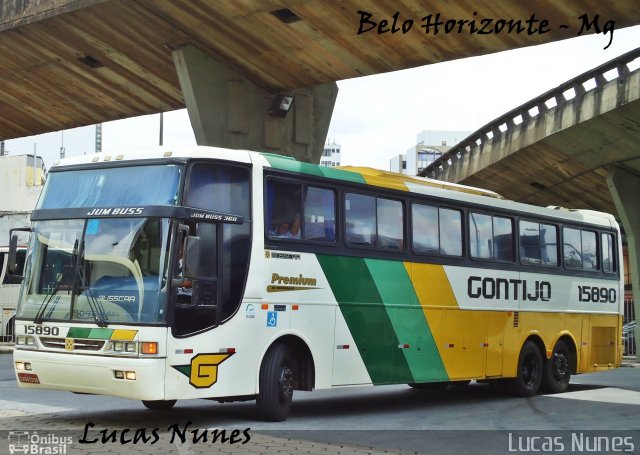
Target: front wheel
(557, 372)
(530, 370)
(277, 381)
(159, 405)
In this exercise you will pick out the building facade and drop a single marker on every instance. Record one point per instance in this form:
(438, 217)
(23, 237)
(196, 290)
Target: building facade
(430, 146)
(331, 155)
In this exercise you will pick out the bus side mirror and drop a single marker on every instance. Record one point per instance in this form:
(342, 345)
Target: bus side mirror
(191, 256)
(13, 254)
(12, 258)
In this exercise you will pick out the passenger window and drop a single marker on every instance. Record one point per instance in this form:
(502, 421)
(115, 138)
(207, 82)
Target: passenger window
(426, 239)
(284, 209)
(589, 251)
(580, 249)
(390, 224)
(374, 221)
(360, 219)
(538, 243)
(450, 232)
(491, 237)
(319, 215)
(608, 253)
(436, 231)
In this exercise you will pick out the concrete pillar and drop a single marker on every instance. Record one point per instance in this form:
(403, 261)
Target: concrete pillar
(228, 110)
(625, 188)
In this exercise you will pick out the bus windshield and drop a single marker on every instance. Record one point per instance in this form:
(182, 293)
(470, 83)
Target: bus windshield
(113, 186)
(111, 270)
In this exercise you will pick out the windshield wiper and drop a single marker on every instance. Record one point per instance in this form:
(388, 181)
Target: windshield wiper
(66, 269)
(80, 284)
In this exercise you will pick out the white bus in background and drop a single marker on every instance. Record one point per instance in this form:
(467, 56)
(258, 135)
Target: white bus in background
(21, 180)
(9, 292)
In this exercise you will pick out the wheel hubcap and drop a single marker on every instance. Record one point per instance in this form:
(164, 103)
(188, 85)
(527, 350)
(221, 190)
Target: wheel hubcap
(560, 365)
(530, 371)
(285, 383)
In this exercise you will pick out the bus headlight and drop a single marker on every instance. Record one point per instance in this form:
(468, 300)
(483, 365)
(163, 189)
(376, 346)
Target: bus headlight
(122, 347)
(26, 341)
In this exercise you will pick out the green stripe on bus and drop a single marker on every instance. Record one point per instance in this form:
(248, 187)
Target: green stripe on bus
(78, 332)
(289, 164)
(367, 318)
(100, 334)
(408, 319)
(340, 174)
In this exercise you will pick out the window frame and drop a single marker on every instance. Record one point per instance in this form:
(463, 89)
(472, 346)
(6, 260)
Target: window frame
(375, 246)
(558, 250)
(303, 190)
(598, 268)
(492, 215)
(410, 226)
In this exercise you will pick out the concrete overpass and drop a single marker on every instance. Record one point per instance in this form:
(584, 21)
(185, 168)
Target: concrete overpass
(575, 146)
(68, 63)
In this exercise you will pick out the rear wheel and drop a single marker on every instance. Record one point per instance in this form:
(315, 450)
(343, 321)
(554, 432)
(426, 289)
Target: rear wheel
(277, 381)
(530, 371)
(557, 372)
(159, 405)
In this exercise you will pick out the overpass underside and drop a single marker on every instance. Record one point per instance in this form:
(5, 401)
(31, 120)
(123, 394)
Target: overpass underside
(561, 155)
(70, 63)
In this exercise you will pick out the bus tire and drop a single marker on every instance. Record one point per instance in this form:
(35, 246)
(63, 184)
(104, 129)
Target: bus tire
(530, 371)
(277, 381)
(557, 372)
(159, 405)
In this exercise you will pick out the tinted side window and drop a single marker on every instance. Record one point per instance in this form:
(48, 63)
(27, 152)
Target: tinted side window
(491, 237)
(319, 215)
(538, 243)
(480, 236)
(589, 250)
(360, 219)
(436, 230)
(450, 232)
(426, 239)
(284, 209)
(390, 224)
(608, 253)
(580, 249)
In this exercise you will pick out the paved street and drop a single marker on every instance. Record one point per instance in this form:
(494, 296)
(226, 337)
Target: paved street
(393, 419)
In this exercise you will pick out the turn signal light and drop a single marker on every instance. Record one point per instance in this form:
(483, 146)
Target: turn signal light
(149, 347)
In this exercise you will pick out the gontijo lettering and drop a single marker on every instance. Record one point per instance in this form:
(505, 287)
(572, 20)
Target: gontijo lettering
(504, 289)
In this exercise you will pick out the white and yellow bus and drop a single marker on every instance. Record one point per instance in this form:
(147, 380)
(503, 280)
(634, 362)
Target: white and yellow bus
(226, 274)
(9, 292)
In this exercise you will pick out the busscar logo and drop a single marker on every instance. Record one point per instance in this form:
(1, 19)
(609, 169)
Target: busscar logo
(118, 298)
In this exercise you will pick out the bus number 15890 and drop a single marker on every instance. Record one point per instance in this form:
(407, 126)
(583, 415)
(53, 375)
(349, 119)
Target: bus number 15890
(596, 294)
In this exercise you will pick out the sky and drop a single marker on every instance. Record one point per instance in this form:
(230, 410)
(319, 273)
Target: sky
(378, 117)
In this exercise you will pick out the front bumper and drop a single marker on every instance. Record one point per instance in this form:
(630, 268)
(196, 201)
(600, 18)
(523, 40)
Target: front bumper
(93, 374)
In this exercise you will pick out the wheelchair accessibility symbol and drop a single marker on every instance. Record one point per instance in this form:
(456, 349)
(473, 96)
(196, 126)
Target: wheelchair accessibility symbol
(272, 319)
